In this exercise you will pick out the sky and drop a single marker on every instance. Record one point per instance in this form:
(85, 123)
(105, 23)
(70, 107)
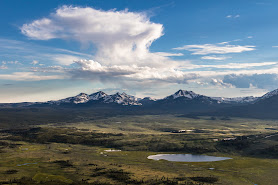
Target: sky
(55, 49)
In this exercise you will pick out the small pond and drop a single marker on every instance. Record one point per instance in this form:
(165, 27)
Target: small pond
(187, 158)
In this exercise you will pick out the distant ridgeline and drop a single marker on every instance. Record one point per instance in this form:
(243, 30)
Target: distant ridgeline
(181, 102)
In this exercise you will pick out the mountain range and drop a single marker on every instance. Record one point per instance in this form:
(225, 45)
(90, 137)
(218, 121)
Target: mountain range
(181, 96)
(182, 102)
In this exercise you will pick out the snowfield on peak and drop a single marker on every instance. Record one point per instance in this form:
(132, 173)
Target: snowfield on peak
(123, 99)
(80, 98)
(98, 95)
(247, 99)
(119, 98)
(183, 93)
(270, 94)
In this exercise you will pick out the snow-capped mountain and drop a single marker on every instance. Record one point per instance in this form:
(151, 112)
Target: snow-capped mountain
(80, 98)
(181, 102)
(190, 95)
(183, 93)
(179, 99)
(269, 94)
(247, 99)
(121, 98)
(100, 97)
(147, 101)
(97, 96)
(186, 99)
(125, 99)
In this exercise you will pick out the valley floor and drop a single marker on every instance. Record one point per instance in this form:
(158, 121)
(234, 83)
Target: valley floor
(82, 153)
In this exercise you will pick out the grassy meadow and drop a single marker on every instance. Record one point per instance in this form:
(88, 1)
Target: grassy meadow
(82, 152)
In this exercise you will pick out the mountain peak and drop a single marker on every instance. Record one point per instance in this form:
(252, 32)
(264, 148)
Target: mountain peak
(184, 93)
(81, 98)
(98, 95)
(121, 98)
(124, 94)
(270, 94)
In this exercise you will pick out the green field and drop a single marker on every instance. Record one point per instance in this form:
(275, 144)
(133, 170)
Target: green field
(75, 153)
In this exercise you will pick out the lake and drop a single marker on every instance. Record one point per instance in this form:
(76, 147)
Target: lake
(187, 158)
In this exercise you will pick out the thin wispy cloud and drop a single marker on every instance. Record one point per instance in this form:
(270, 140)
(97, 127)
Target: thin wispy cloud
(35, 62)
(29, 76)
(233, 16)
(221, 48)
(30, 52)
(3, 67)
(215, 57)
(164, 54)
(240, 65)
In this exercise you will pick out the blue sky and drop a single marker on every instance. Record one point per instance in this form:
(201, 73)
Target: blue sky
(54, 49)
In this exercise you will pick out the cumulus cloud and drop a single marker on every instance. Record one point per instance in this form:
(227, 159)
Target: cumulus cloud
(122, 40)
(89, 69)
(220, 48)
(263, 81)
(120, 36)
(220, 83)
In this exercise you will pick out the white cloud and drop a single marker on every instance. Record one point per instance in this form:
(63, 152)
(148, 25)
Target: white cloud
(164, 54)
(92, 70)
(122, 40)
(224, 42)
(238, 65)
(11, 62)
(262, 81)
(49, 69)
(233, 16)
(120, 36)
(64, 59)
(214, 57)
(206, 49)
(3, 67)
(28, 76)
(211, 73)
(35, 62)
(220, 83)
